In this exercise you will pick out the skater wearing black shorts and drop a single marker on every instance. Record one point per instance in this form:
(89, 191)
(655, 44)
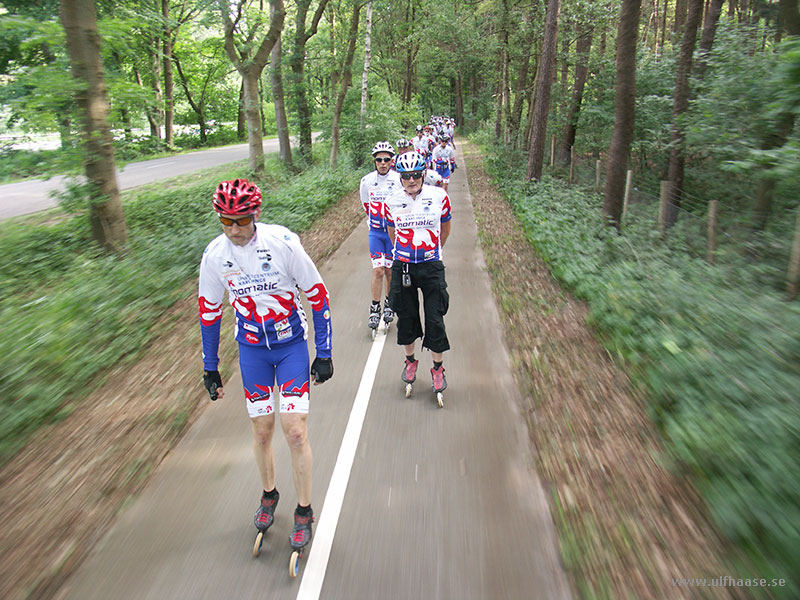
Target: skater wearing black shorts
(418, 222)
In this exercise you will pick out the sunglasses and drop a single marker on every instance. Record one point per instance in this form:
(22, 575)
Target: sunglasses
(383, 160)
(241, 221)
(412, 175)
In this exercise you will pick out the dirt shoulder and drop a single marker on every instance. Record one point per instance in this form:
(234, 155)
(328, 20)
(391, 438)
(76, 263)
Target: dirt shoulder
(627, 525)
(62, 491)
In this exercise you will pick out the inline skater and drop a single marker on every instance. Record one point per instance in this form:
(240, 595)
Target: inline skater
(403, 145)
(443, 157)
(422, 143)
(262, 266)
(375, 187)
(418, 222)
(431, 176)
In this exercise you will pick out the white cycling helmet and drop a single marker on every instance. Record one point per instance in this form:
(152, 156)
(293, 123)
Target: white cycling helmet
(409, 161)
(382, 147)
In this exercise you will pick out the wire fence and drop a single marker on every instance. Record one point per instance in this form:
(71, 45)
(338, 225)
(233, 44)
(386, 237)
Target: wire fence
(703, 227)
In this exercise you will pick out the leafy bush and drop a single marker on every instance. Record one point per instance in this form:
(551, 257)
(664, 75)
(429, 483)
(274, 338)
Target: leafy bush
(717, 355)
(71, 312)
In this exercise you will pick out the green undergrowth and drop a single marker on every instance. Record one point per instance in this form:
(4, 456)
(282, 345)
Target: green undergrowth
(71, 312)
(718, 356)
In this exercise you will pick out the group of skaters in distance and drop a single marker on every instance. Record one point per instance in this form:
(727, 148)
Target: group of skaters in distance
(262, 267)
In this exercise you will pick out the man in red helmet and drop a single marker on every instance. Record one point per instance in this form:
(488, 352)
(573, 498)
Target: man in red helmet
(262, 266)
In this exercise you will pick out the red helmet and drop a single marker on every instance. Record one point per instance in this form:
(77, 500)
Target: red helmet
(237, 197)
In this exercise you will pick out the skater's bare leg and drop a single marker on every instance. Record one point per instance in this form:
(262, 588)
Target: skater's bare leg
(387, 278)
(263, 428)
(377, 283)
(437, 356)
(409, 348)
(296, 432)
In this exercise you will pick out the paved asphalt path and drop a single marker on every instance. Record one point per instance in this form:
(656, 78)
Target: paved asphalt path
(32, 196)
(440, 503)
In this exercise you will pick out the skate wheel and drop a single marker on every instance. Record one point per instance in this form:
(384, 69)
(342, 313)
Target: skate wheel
(440, 399)
(374, 334)
(294, 564)
(257, 545)
(408, 390)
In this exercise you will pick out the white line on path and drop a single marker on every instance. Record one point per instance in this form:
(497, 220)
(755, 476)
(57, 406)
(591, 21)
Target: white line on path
(314, 573)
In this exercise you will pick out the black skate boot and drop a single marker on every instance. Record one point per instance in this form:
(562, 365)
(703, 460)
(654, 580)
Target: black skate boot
(266, 511)
(374, 316)
(301, 533)
(388, 313)
(264, 518)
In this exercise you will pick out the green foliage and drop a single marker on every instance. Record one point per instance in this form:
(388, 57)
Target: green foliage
(72, 312)
(717, 355)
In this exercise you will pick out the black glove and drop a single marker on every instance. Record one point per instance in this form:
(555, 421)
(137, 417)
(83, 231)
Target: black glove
(212, 381)
(322, 369)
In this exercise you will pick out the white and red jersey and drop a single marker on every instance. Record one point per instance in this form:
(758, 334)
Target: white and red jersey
(262, 281)
(417, 223)
(374, 190)
(421, 144)
(443, 153)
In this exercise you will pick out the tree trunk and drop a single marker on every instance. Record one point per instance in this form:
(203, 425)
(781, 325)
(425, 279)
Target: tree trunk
(155, 82)
(367, 56)
(250, 68)
(279, 101)
(197, 106)
(544, 82)
(625, 112)
(519, 94)
(679, 107)
(459, 99)
(582, 49)
(345, 79)
(83, 46)
(707, 37)
(297, 62)
(679, 22)
(241, 122)
(169, 84)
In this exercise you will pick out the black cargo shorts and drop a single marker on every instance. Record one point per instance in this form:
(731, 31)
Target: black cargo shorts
(427, 277)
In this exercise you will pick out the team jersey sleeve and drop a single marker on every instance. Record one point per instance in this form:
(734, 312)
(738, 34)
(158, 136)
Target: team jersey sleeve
(364, 193)
(446, 216)
(211, 292)
(308, 279)
(388, 214)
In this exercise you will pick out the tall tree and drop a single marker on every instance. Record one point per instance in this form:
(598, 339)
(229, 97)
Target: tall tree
(679, 107)
(297, 62)
(345, 78)
(625, 111)
(367, 56)
(250, 62)
(279, 102)
(83, 46)
(544, 82)
(707, 37)
(567, 140)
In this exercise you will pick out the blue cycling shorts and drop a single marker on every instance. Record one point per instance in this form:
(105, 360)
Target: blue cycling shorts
(263, 367)
(380, 249)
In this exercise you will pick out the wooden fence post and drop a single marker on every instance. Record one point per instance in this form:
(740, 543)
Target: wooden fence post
(572, 164)
(628, 181)
(712, 230)
(662, 207)
(793, 279)
(552, 150)
(597, 176)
